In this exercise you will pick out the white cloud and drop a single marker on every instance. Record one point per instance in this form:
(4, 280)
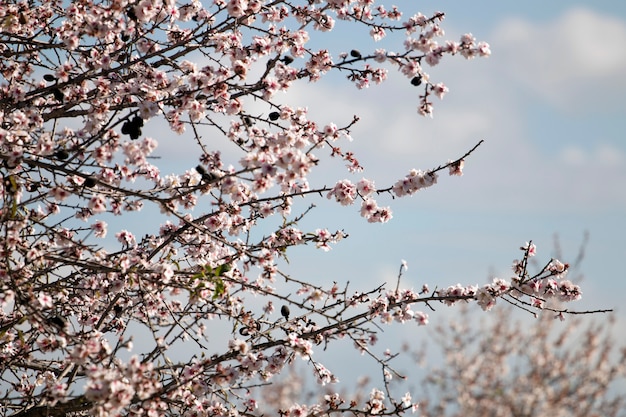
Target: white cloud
(600, 157)
(609, 155)
(573, 155)
(574, 62)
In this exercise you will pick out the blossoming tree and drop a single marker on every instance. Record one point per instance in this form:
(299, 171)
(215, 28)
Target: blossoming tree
(491, 368)
(82, 83)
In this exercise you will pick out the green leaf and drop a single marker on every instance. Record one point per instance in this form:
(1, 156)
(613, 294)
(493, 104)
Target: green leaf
(221, 270)
(219, 288)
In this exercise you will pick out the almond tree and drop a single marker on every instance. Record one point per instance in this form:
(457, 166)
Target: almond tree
(82, 81)
(492, 369)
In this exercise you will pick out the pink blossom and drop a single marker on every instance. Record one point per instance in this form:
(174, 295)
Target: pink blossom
(426, 109)
(380, 55)
(484, 298)
(381, 215)
(433, 58)
(483, 49)
(377, 33)
(59, 194)
(239, 346)
(126, 238)
(365, 187)
(97, 203)
(421, 318)
(456, 167)
(45, 300)
(100, 229)
(148, 109)
(440, 90)
(529, 248)
(344, 192)
(330, 130)
(368, 207)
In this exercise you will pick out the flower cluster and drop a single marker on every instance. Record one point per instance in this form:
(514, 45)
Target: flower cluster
(413, 182)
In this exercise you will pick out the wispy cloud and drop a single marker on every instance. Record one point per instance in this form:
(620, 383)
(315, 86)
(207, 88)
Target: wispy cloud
(576, 62)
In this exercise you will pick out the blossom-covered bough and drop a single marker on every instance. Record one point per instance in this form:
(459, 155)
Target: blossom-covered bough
(82, 83)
